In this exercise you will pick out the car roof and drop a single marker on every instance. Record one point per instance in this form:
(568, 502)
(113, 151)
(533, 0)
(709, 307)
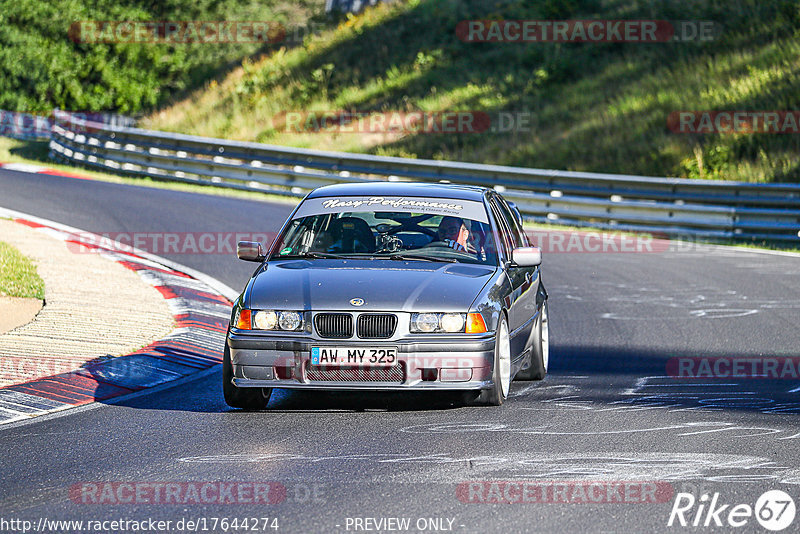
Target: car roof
(403, 189)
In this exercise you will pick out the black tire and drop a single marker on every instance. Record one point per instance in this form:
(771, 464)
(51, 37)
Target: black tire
(249, 399)
(540, 351)
(496, 395)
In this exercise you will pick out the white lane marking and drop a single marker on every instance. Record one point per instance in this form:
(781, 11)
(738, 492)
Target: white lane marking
(23, 167)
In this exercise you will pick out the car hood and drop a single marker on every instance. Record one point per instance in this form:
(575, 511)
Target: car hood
(384, 285)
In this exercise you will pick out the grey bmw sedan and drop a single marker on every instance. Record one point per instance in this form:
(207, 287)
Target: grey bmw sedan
(390, 286)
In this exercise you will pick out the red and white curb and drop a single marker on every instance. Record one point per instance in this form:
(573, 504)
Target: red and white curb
(200, 305)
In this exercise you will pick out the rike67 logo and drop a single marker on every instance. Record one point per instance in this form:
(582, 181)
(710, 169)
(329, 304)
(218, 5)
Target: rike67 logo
(774, 510)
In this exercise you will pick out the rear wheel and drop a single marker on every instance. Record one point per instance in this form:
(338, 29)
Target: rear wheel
(540, 351)
(501, 374)
(249, 399)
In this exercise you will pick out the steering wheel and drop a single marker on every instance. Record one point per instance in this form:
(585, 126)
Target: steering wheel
(438, 243)
(414, 226)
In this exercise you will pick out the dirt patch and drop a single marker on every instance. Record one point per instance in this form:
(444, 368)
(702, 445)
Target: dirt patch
(16, 312)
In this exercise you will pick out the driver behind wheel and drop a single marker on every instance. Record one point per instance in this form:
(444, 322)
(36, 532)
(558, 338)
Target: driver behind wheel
(454, 233)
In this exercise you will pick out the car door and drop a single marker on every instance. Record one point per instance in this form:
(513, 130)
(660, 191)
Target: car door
(521, 301)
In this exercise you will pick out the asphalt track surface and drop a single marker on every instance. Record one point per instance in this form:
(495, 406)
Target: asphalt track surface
(608, 412)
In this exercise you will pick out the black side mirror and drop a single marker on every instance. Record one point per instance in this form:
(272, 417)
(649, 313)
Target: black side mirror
(250, 251)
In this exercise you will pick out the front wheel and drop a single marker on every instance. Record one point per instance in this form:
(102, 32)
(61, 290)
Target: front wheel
(248, 399)
(540, 351)
(501, 374)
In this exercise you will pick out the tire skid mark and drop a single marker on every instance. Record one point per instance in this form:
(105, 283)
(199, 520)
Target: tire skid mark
(580, 466)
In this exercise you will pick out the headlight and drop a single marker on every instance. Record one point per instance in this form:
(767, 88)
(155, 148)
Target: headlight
(437, 322)
(424, 322)
(452, 322)
(265, 320)
(289, 320)
(275, 320)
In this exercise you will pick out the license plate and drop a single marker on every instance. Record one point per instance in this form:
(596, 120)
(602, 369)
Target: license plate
(354, 356)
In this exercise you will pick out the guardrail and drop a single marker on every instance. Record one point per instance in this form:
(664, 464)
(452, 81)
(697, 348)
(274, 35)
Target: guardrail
(674, 206)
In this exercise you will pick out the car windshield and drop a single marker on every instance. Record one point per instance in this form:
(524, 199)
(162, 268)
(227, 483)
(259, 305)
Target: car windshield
(392, 235)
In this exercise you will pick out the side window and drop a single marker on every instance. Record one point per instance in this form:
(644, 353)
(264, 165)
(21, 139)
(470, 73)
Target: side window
(503, 236)
(517, 235)
(517, 228)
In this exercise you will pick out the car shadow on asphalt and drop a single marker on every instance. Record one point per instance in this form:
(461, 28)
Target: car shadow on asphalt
(598, 376)
(285, 400)
(204, 395)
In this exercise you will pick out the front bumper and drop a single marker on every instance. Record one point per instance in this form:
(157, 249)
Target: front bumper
(453, 363)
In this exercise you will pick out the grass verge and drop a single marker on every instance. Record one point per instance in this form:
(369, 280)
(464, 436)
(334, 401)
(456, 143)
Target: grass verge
(601, 107)
(18, 276)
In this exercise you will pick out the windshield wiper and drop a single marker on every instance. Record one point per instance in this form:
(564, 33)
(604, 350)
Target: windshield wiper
(421, 257)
